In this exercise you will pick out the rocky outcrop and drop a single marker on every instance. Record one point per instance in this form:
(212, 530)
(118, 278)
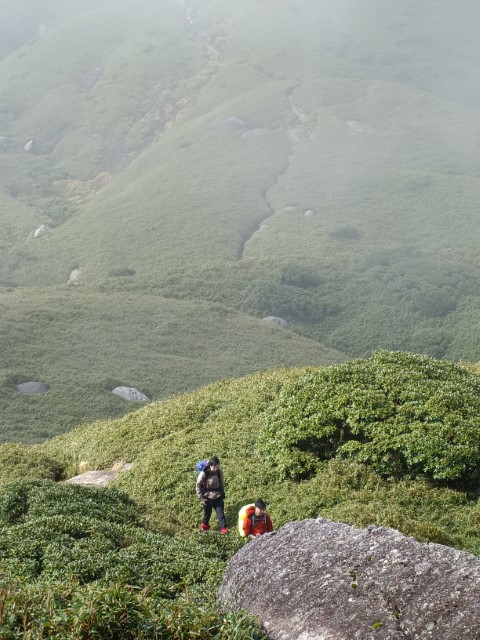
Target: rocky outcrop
(100, 477)
(320, 580)
(130, 393)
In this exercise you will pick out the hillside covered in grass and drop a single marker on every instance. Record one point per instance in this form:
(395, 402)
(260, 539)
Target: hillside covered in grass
(194, 166)
(131, 559)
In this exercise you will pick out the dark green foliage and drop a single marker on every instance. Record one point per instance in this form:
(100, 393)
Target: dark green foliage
(111, 611)
(400, 413)
(77, 563)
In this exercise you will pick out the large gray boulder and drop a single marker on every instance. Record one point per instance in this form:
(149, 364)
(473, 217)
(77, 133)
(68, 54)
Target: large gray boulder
(320, 580)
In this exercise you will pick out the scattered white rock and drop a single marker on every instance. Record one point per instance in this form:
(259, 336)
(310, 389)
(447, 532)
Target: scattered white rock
(31, 388)
(309, 213)
(254, 133)
(264, 227)
(278, 321)
(28, 146)
(356, 126)
(130, 393)
(74, 277)
(41, 231)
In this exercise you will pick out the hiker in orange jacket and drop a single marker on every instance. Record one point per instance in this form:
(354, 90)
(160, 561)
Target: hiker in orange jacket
(259, 522)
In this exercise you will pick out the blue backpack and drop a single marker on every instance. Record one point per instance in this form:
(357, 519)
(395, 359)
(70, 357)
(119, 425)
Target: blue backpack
(200, 466)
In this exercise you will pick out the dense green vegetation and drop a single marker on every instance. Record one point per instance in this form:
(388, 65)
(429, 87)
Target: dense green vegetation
(365, 116)
(401, 414)
(77, 563)
(130, 561)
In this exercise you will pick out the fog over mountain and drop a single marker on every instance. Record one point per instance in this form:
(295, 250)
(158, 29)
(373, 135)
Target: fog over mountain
(174, 172)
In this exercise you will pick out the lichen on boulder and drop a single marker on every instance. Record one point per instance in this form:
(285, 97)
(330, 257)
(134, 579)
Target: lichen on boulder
(317, 579)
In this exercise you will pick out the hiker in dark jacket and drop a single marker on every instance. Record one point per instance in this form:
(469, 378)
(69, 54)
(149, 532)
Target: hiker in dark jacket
(259, 522)
(211, 491)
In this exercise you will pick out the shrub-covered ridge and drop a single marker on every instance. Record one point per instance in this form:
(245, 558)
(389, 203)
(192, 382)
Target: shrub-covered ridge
(399, 413)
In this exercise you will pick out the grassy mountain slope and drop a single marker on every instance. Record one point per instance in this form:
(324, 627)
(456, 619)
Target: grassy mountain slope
(82, 344)
(358, 115)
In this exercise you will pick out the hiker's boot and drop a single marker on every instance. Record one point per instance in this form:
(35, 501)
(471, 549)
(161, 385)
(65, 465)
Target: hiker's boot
(224, 530)
(205, 527)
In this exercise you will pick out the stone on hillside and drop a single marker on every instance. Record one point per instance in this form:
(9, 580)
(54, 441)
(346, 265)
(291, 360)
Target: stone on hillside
(278, 321)
(74, 276)
(31, 388)
(309, 213)
(130, 393)
(321, 580)
(264, 227)
(28, 146)
(254, 133)
(41, 231)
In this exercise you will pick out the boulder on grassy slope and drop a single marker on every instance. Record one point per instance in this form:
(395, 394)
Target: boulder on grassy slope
(280, 322)
(31, 387)
(320, 580)
(130, 393)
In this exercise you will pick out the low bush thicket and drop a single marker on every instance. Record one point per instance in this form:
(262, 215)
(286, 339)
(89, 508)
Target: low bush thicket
(77, 563)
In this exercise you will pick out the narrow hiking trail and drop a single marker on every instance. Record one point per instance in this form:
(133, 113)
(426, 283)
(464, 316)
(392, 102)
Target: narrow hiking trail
(211, 34)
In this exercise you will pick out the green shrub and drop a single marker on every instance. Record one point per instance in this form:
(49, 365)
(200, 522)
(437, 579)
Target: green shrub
(400, 413)
(22, 462)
